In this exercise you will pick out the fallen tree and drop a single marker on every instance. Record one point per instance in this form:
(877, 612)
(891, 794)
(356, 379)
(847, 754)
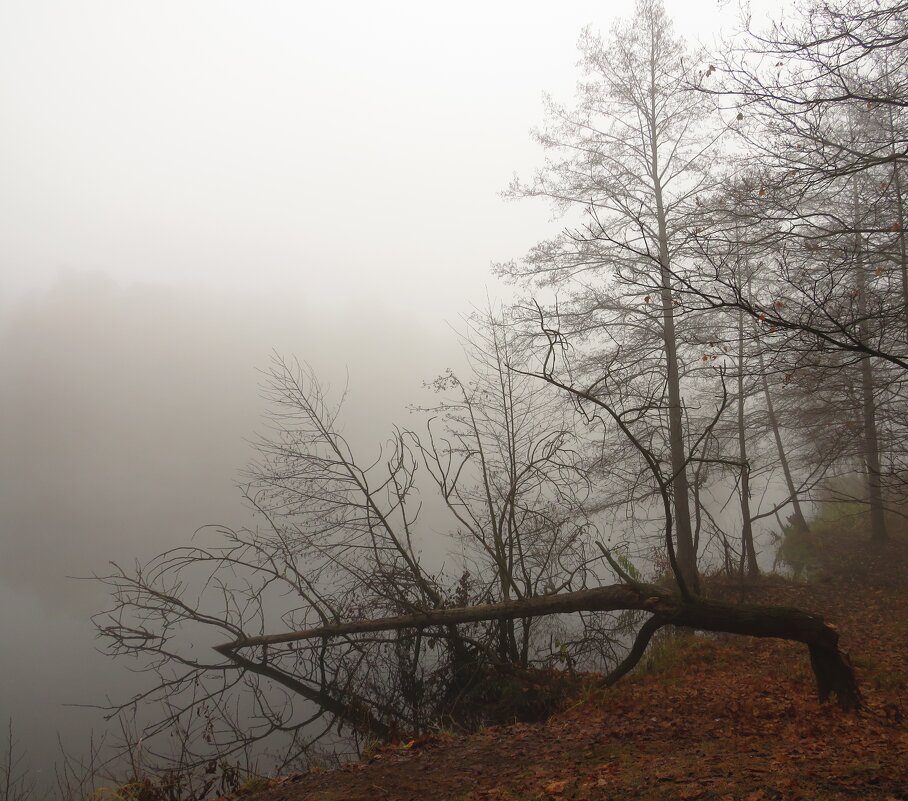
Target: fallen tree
(831, 667)
(678, 606)
(290, 601)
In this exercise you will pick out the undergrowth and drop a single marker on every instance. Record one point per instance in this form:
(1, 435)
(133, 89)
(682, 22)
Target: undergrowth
(802, 551)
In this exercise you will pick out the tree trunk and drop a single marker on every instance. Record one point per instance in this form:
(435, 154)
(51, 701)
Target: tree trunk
(687, 557)
(832, 670)
(686, 553)
(870, 440)
(747, 533)
(900, 208)
(871, 450)
(353, 711)
(799, 520)
(903, 251)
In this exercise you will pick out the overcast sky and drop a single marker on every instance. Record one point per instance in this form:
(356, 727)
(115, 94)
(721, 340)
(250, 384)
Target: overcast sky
(185, 185)
(323, 148)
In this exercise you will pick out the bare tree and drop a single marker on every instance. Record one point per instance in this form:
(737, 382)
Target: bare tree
(632, 155)
(340, 538)
(827, 294)
(830, 55)
(16, 782)
(832, 670)
(794, 95)
(511, 470)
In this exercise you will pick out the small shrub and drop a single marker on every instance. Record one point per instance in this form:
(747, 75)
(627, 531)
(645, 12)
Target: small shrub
(799, 551)
(517, 694)
(671, 649)
(370, 749)
(218, 777)
(254, 784)
(802, 551)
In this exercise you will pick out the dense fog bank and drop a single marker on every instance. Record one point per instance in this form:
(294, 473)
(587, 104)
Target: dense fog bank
(127, 412)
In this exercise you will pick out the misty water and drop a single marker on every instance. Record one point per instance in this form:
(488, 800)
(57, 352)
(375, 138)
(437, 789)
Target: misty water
(127, 413)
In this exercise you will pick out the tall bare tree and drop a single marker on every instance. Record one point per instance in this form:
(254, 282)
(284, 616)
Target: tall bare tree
(631, 156)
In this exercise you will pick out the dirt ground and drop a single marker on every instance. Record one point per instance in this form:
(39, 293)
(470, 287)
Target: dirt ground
(714, 718)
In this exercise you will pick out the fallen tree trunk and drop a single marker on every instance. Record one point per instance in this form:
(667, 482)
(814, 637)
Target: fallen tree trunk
(832, 670)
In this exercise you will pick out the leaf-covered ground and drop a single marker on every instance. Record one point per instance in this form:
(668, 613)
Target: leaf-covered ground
(713, 718)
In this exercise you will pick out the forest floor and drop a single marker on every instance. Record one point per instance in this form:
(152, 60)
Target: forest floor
(706, 718)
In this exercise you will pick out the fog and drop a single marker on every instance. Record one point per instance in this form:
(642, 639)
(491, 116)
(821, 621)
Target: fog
(127, 413)
(188, 187)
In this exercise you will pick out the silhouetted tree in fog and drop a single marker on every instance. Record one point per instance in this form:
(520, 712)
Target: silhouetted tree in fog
(632, 155)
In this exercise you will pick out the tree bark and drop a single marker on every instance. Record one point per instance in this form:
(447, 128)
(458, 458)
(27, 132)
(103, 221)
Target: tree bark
(832, 670)
(647, 630)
